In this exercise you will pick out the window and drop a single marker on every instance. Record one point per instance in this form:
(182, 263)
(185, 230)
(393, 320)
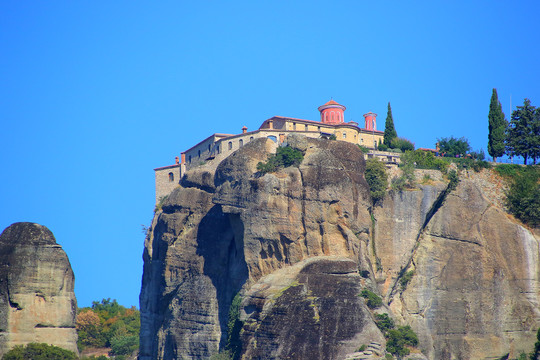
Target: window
(209, 147)
(251, 138)
(240, 143)
(218, 150)
(306, 128)
(361, 141)
(190, 159)
(294, 126)
(230, 145)
(273, 138)
(318, 128)
(171, 177)
(199, 153)
(344, 135)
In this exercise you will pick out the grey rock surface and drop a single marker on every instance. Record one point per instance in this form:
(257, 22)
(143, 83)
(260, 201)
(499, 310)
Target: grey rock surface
(37, 301)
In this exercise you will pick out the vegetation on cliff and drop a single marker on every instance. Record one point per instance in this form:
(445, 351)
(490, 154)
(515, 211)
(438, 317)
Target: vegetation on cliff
(285, 156)
(36, 351)
(376, 178)
(108, 324)
(523, 195)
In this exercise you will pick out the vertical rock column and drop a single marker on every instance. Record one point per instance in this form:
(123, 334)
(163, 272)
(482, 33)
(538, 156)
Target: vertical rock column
(37, 301)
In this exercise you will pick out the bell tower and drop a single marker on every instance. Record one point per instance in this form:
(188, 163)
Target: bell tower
(332, 113)
(371, 121)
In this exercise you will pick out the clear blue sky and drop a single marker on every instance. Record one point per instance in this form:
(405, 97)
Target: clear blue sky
(95, 94)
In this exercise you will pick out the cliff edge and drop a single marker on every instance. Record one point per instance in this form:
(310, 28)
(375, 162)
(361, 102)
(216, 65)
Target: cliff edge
(272, 266)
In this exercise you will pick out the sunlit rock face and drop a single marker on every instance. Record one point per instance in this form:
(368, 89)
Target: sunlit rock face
(37, 301)
(300, 244)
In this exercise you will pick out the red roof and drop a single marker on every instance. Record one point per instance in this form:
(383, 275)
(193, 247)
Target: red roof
(331, 102)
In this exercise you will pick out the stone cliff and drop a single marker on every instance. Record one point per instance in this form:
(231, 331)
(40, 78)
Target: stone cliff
(299, 245)
(37, 301)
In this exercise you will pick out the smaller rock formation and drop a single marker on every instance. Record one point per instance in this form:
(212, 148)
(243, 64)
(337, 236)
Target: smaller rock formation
(37, 301)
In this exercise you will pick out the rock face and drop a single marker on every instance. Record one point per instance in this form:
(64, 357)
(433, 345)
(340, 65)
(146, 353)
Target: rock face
(298, 246)
(37, 302)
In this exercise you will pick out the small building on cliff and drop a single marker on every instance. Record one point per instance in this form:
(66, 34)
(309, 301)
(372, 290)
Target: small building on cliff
(218, 146)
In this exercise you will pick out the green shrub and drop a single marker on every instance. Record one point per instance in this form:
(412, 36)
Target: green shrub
(332, 137)
(523, 196)
(398, 183)
(425, 160)
(364, 149)
(382, 146)
(124, 345)
(234, 325)
(426, 179)
(406, 278)
(373, 300)
(34, 351)
(454, 180)
(384, 322)
(376, 178)
(361, 348)
(397, 340)
(223, 355)
(402, 144)
(285, 156)
(508, 170)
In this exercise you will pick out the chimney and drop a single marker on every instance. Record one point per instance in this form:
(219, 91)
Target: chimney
(244, 129)
(183, 155)
(270, 124)
(176, 160)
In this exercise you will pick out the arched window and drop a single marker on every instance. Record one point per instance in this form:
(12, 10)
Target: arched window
(199, 153)
(230, 145)
(294, 126)
(240, 143)
(273, 138)
(171, 177)
(250, 138)
(306, 128)
(344, 135)
(217, 149)
(190, 159)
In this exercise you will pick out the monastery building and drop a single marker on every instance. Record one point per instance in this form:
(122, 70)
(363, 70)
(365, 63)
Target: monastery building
(216, 147)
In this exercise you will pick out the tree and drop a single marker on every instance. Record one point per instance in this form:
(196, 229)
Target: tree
(523, 133)
(497, 127)
(453, 147)
(376, 178)
(389, 129)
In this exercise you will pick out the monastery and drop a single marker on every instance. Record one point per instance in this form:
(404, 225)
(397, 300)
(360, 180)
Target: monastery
(332, 124)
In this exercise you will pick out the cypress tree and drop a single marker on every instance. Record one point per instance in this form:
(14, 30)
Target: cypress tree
(389, 129)
(497, 127)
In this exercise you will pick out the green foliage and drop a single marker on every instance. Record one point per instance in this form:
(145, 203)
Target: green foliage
(388, 357)
(234, 325)
(332, 137)
(390, 132)
(426, 179)
(453, 177)
(398, 183)
(376, 178)
(34, 351)
(384, 322)
(373, 300)
(223, 355)
(399, 339)
(478, 155)
(382, 146)
(523, 196)
(536, 352)
(509, 170)
(124, 344)
(523, 132)
(522, 356)
(285, 156)
(402, 144)
(364, 149)
(160, 203)
(107, 323)
(497, 125)
(406, 278)
(425, 160)
(361, 348)
(452, 147)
